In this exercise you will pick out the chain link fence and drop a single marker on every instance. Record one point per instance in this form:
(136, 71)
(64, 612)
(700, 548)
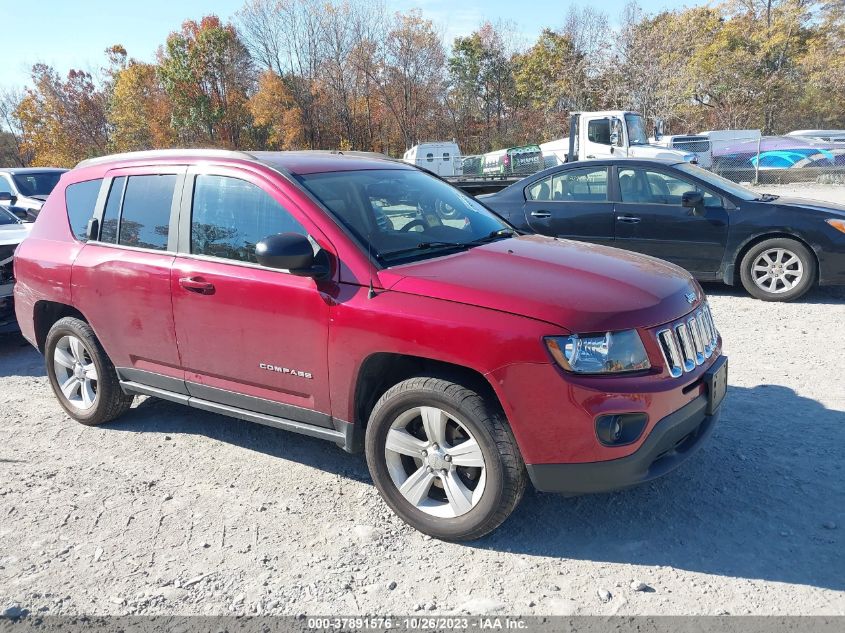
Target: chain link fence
(739, 155)
(778, 159)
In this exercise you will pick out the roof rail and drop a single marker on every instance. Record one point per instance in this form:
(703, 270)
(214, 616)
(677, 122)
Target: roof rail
(165, 153)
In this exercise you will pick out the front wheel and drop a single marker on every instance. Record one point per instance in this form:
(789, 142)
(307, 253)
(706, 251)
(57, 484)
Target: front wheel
(778, 269)
(444, 459)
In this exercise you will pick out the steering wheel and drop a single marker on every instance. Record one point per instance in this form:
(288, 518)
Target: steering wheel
(413, 223)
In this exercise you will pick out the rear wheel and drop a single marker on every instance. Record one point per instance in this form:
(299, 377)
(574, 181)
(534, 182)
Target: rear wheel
(82, 376)
(444, 459)
(778, 269)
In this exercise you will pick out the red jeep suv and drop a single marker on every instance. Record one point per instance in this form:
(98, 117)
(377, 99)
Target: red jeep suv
(371, 304)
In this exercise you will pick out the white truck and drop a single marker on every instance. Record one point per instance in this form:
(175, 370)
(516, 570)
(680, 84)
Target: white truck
(608, 134)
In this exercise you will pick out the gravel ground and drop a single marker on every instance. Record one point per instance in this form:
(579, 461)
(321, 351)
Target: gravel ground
(174, 511)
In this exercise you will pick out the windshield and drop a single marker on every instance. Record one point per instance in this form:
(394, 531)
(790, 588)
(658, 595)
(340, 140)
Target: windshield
(7, 217)
(636, 130)
(36, 183)
(724, 184)
(404, 215)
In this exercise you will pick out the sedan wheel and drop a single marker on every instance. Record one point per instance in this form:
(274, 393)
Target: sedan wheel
(777, 270)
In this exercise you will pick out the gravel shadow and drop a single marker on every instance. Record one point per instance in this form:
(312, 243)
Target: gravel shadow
(18, 357)
(168, 418)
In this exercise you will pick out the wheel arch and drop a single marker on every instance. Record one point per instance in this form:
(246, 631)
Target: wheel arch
(381, 370)
(45, 315)
(733, 271)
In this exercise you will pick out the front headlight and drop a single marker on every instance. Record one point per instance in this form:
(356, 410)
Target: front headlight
(608, 353)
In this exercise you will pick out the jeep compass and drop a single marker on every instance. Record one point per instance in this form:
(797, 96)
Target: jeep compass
(370, 304)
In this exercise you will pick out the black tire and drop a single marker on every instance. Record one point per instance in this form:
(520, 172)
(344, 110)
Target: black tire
(110, 402)
(802, 253)
(483, 418)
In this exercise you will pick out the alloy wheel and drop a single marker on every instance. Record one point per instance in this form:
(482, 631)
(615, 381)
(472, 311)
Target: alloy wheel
(76, 373)
(435, 462)
(777, 270)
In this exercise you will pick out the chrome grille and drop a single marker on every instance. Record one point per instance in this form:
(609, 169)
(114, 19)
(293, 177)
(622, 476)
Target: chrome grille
(688, 343)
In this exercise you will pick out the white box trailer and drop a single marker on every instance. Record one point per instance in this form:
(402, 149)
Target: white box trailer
(441, 157)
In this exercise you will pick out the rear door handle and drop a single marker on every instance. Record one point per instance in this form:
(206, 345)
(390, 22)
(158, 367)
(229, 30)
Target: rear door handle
(541, 215)
(199, 286)
(628, 219)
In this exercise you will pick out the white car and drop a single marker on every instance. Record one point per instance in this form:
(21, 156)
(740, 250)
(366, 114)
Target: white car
(28, 187)
(13, 231)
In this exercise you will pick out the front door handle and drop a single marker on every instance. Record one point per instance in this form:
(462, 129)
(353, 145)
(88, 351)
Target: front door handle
(628, 219)
(541, 215)
(199, 286)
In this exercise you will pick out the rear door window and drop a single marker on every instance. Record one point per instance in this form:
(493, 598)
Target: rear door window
(80, 200)
(145, 219)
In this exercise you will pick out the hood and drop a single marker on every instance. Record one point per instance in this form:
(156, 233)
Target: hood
(836, 210)
(14, 233)
(580, 287)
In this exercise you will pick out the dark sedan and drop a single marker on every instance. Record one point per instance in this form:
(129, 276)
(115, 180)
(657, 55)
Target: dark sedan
(718, 230)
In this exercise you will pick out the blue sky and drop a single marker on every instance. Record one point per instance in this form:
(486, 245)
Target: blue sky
(73, 34)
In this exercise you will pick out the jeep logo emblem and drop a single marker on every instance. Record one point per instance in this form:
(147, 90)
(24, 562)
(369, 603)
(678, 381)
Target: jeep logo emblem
(690, 297)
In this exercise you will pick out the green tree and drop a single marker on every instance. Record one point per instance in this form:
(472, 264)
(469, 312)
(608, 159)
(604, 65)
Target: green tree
(207, 73)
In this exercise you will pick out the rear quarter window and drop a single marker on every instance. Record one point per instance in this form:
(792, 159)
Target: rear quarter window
(80, 200)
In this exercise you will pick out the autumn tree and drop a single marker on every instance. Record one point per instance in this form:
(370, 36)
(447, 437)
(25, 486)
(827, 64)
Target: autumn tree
(409, 75)
(549, 79)
(481, 86)
(275, 114)
(139, 109)
(207, 73)
(12, 146)
(62, 121)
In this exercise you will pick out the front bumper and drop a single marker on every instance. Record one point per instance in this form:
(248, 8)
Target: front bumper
(671, 442)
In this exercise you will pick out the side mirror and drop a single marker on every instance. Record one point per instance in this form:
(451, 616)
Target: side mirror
(292, 252)
(658, 129)
(693, 200)
(21, 214)
(7, 197)
(617, 138)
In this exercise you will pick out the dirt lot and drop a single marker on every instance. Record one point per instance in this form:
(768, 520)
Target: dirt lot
(173, 511)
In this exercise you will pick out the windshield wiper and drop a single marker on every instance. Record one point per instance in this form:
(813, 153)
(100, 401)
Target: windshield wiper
(494, 235)
(767, 197)
(423, 246)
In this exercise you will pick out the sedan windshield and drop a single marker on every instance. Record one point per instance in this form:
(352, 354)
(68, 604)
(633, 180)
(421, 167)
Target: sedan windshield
(36, 183)
(403, 215)
(727, 186)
